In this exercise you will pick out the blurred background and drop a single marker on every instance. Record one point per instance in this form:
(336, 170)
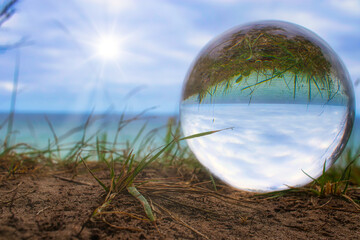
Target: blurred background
(79, 56)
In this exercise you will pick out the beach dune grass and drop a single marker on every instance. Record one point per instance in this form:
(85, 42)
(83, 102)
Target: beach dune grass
(337, 181)
(124, 179)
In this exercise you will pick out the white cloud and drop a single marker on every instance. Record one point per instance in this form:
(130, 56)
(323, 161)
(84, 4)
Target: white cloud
(353, 67)
(349, 6)
(320, 25)
(7, 37)
(198, 40)
(157, 49)
(233, 2)
(113, 6)
(8, 86)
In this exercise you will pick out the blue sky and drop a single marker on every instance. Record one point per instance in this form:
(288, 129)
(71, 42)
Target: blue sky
(61, 70)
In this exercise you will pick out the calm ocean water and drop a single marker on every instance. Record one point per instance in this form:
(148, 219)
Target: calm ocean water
(355, 135)
(34, 129)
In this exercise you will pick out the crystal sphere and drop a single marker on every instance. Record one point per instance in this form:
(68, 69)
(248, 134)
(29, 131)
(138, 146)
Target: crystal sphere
(283, 96)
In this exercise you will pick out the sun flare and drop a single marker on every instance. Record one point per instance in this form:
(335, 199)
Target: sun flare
(108, 47)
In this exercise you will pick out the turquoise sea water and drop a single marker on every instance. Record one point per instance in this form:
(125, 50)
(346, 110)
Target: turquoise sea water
(33, 129)
(354, 141)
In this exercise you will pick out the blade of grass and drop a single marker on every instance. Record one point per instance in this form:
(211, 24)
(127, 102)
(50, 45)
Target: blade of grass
(13, 100)
(138, 135)
(92, 174)
(204, 134)
(134, 192)
(56, 140)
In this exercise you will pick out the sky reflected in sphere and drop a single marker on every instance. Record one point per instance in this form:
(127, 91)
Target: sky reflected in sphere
(285, 94)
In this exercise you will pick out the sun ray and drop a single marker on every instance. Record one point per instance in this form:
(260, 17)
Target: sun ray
(108, 47)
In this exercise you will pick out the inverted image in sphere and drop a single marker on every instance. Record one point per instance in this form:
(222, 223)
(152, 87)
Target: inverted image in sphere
(285, 96)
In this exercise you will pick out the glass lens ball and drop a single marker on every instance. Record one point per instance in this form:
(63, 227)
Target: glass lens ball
(283, 96)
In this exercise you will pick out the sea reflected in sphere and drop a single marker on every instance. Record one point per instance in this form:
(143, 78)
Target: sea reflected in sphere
(284, 93)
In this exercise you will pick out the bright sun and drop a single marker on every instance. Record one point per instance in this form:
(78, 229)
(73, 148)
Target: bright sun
(107, 47)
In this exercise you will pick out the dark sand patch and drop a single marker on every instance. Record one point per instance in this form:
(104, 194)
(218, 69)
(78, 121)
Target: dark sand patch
(41, 206)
